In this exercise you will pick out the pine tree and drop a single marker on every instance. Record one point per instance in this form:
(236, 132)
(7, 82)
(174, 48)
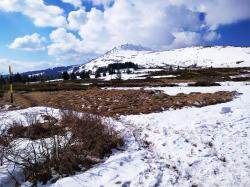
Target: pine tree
(73, 76)
(97, 74)
(17, 78)
(2, 80)
(119, 75)
(170, 68)
(85, 75)
(65, 76)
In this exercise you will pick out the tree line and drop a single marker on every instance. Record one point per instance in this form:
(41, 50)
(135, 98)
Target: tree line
(111, 69)
(115, 68)
(22, 78)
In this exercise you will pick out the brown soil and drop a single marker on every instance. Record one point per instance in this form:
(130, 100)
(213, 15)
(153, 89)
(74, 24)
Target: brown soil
(118, 102)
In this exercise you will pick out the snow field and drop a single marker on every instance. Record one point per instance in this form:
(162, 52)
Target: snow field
(206, 146)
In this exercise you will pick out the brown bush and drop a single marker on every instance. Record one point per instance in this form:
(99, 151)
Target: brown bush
(93, 135)
(74, 143)
(35, 131)
(204, 83)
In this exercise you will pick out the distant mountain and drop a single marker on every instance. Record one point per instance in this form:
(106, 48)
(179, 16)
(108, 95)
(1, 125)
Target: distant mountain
(123, 53)
(52, 71)
(216, 56)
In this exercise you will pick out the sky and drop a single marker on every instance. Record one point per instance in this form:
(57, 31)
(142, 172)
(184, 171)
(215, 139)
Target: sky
(38, 34)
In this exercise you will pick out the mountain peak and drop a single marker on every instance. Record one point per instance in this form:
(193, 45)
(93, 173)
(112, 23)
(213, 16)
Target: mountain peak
(134, 47)
(129, 47)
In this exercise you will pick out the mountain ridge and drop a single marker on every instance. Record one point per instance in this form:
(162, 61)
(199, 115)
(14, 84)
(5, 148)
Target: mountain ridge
(204, 56)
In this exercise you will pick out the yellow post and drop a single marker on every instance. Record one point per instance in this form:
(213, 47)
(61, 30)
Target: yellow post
(11, 86)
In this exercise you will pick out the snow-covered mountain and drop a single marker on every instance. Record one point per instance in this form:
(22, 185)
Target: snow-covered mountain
(123, 53)
(217, 56)
(128, 47)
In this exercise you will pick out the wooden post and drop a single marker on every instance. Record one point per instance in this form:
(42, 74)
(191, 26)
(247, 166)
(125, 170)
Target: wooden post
(11, 85)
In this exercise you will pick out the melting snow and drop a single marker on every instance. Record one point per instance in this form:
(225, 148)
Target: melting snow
(206, 146)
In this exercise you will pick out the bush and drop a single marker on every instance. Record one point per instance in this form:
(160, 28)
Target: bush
(35, 131)
(204, 83)
(94, 135)
(61, 148)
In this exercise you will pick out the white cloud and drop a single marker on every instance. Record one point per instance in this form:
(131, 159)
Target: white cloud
(218, 12)
(223, 12)
(101, 2)
(75, 3)
(183, 39)
(149, 23)
(33, 42)
(211, 36)
(126, 21)
(41, 14)
(67, 47)
(76, 19)
(23, 66)
(159, 24)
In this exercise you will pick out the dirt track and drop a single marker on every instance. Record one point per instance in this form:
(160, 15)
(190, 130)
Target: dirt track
(117, 102)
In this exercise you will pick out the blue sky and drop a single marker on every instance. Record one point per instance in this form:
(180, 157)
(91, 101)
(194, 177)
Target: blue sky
(50, 33)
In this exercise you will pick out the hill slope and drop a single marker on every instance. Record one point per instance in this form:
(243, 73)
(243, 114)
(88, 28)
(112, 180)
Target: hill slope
(217, 56)
(52, 71)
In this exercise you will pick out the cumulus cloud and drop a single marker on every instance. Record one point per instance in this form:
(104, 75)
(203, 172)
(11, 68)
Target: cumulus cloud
(223, 12)
(101, 2)
(129, 21)
(18, 65)
(66, 47)
(75, 3)
(76, 19)
(184, 39)
(33, 42)
(218, 12)
(211, 36)
(41, 14)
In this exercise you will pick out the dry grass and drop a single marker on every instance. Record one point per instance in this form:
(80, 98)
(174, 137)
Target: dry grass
(96, 136)
(35, 131)
(61, 148)
(119, 102)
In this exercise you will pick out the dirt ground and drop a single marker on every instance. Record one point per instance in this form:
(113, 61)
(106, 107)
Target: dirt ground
(117, 102)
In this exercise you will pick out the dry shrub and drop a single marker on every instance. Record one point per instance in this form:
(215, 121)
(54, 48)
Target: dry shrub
(204, 83)
(35, 131)
(92, 133)
(73, 144)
